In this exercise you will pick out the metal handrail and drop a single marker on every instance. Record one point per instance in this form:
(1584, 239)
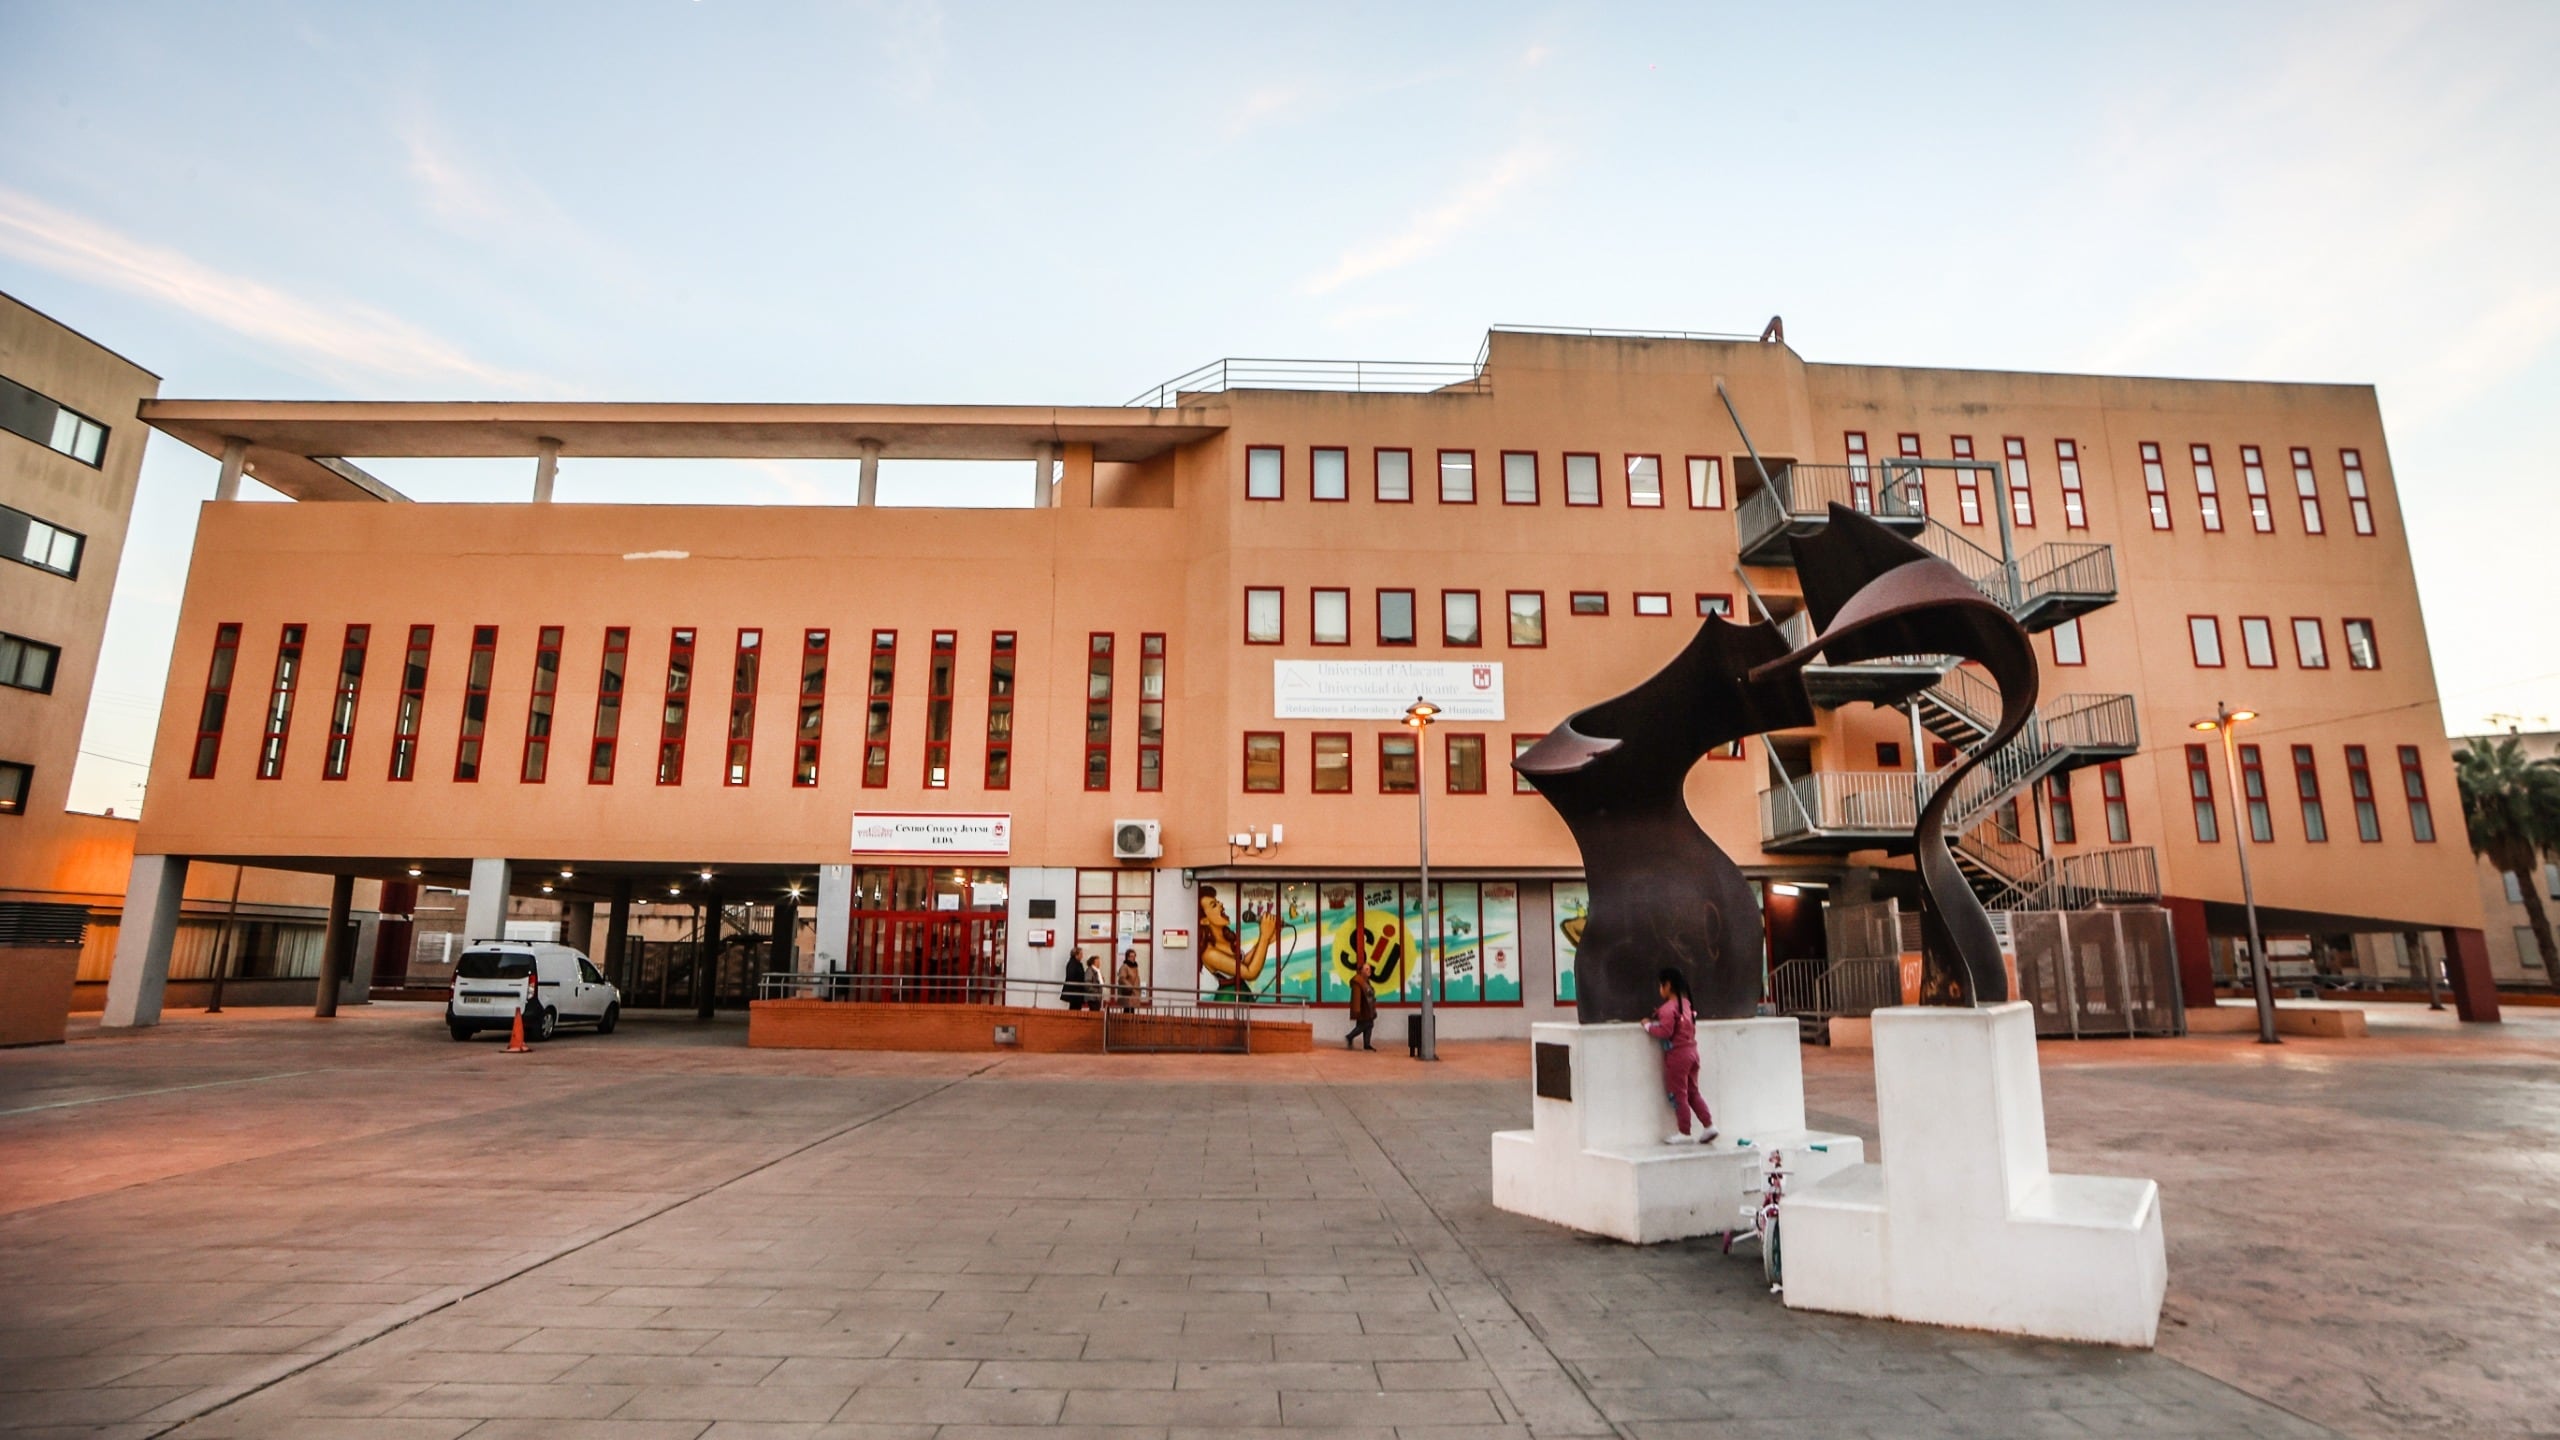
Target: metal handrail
(1878, 800)
(1827, 988)
(2091, 722)
(1988, 574)
(1398, 377)
(995, 990)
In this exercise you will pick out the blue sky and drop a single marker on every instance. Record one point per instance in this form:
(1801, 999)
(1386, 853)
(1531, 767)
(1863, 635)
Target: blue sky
(702, 199)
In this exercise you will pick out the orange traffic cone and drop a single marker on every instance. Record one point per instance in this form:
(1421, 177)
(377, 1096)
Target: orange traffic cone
(515, 1036)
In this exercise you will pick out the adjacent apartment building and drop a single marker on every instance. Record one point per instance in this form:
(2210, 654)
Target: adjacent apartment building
(1154, 710)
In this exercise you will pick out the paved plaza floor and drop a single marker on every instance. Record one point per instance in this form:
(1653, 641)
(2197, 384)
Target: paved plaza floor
(260, 1225)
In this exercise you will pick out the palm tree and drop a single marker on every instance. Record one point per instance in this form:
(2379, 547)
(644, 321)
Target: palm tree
(2512, 807)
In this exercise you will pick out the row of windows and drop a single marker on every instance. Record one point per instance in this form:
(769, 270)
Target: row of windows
(40, 543)
(1461, 614)
(2258, 643)
(602, 755)
(2307, 794)
(2515, 889)
(2254, 492)
(28, 664)
(1638, 478)
(50, 423)
(1266, 763)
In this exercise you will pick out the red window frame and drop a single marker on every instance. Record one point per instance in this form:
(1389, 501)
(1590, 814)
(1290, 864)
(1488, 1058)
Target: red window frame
(2359, 500)
(1449, 747)
(1315, 631)
(1315, 491)
(2253, 791)
(1574, 599)
(1412, 741)
(342, 709)
(1447, 643)
(2413, 784)
(1862, 485)
(2319, 632)
(1277, 745)
(1641, 596)
(1888, 754)
(2360, 790)
(1532, 457)
(1414, 635)
(746, 672)
(2075, 504)
(1510, 635)
(1714, 488)
(1151, 686)
(678, 707)
(2253, 482)
(809, 711)
(2022, 497)
(1520, 745)
(2372, 642)
(280, 691)
(2155, 486)
(2111, 799)
(542, 700)
(408, 722)
(2219, 654)
(471, 737)
(1317, 744)
(2079, 643)
(2208, 487)
(1099, 659)
(1280, 472)
(210, 718)
(879, 708)
(2267, 628)
(613, 676)
(2208, 820)
(1968, 482)
(1279, 611)
(1634, 503)
(2306, 788)
(2306, 488)
(1715, 602)
(1377, 475)
(2059, 817)
(941, 684)
(1597, 488)
(1440, 477)
(1002, 669)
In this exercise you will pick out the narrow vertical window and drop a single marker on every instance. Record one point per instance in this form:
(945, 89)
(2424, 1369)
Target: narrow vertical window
(1399, 764)
(2208, 490)
(1395, 476)
(2359, 504)
(1706, 482)
(2310, 645)
(941, 673)
(1329, 473)
(1266, 762)
(1528, 612)
(1644, 482)
(1332, 617)
(217, 702)
(1330, 755)
(2066, 643)
(1461, 619)
(536, 766)
(2253, 788)
(1000, 667)
(1262, 472)
(280, 702)
(1907, 446)
(744, 672)
(1263, 622)
(809, 723)
(2413, 781)
(342, 707)
(2075, 508)
(1862, 487)
(611, 672)
(2306, 787)
(406, 721)
(1519, 477)
(1097, 713)
(2362, 654)
(2360, 790)
(2111, 793)
(2307, 487)
(2058, 816)
(2253, 479)
(1465, 757)
(1522, 745)
(2204, 637)
(2257, 642)
(2155, 485)
(1457, 477)
(879, 695)
(1151, 712)
(1968, 482)
(679, 706)
(477, 672)
(2200, 794)
(1395, 617)
(2022, 497)
(1581, 479)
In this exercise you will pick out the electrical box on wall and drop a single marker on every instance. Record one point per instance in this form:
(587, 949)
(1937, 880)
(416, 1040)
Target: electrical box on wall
(1041, 939)
(1137, 839)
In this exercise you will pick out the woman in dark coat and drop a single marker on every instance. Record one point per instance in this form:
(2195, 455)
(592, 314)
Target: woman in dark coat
(1364, 1008)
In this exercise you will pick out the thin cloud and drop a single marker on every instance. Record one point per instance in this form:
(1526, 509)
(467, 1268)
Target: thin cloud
(344, 343)
(1432, 229)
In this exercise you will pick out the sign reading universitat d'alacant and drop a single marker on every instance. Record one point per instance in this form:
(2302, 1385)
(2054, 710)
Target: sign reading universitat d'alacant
(1381, 689)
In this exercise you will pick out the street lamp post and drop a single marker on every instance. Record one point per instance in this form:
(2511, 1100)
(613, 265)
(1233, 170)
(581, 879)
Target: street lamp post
(1419, 715)
(2224, 718)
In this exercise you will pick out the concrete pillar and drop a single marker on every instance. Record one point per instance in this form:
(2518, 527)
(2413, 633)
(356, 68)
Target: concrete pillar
(834, 920)
(2193, 946)
(2466, 966)
(786, 934)
(334, 947)
(486, 916)
(706, 959)
(1075, 477)
(1043, 493)
(235, 458)
(153, 895)
(578, 932)
(368, 946)
(869, 492)
(617, 930)
(546, 468)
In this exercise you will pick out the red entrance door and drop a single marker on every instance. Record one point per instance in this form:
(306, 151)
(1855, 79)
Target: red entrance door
(909, 956)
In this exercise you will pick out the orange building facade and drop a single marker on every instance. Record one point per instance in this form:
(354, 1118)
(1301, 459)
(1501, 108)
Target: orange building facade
(1152, 712)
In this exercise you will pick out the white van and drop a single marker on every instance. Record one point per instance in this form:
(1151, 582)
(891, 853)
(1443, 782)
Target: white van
(489, 989)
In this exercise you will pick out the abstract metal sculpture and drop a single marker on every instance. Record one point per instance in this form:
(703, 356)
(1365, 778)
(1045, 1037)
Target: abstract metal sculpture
(1662, 893)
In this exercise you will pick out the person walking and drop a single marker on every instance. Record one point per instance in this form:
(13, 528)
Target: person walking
(1128, 982)
(1364, 1008)
(1676, 1026)
(1072, 991)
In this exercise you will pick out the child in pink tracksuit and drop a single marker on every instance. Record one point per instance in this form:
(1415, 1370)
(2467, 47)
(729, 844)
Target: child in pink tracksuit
(1676, 1026)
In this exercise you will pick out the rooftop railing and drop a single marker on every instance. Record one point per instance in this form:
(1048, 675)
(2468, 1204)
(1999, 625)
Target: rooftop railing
(1388, 377)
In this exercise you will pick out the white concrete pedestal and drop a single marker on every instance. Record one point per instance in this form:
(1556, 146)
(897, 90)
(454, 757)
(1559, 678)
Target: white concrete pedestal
(1963, 1224)
(1596, 1161)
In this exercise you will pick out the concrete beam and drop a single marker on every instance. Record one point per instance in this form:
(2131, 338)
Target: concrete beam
(153, 895)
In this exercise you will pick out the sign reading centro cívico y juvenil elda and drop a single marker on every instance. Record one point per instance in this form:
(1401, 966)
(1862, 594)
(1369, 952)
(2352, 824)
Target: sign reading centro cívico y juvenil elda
(1381, 689)
(909, 832)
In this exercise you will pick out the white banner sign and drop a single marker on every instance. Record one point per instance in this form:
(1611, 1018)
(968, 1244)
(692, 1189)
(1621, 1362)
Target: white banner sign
(1381, 689)
(900, 832)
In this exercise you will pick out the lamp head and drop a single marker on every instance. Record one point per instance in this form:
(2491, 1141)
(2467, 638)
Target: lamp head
(1420, 713)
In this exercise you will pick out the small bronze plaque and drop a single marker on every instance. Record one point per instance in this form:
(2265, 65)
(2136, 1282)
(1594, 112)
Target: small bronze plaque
(1555, 1071)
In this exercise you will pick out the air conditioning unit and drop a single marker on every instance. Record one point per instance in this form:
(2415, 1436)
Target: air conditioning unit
(1137, 839)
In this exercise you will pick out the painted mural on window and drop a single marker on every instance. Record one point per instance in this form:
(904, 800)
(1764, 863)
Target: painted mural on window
(1301, 940)
(1573, 902)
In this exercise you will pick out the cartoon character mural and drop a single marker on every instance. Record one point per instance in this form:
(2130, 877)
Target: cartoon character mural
(1301, 940)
